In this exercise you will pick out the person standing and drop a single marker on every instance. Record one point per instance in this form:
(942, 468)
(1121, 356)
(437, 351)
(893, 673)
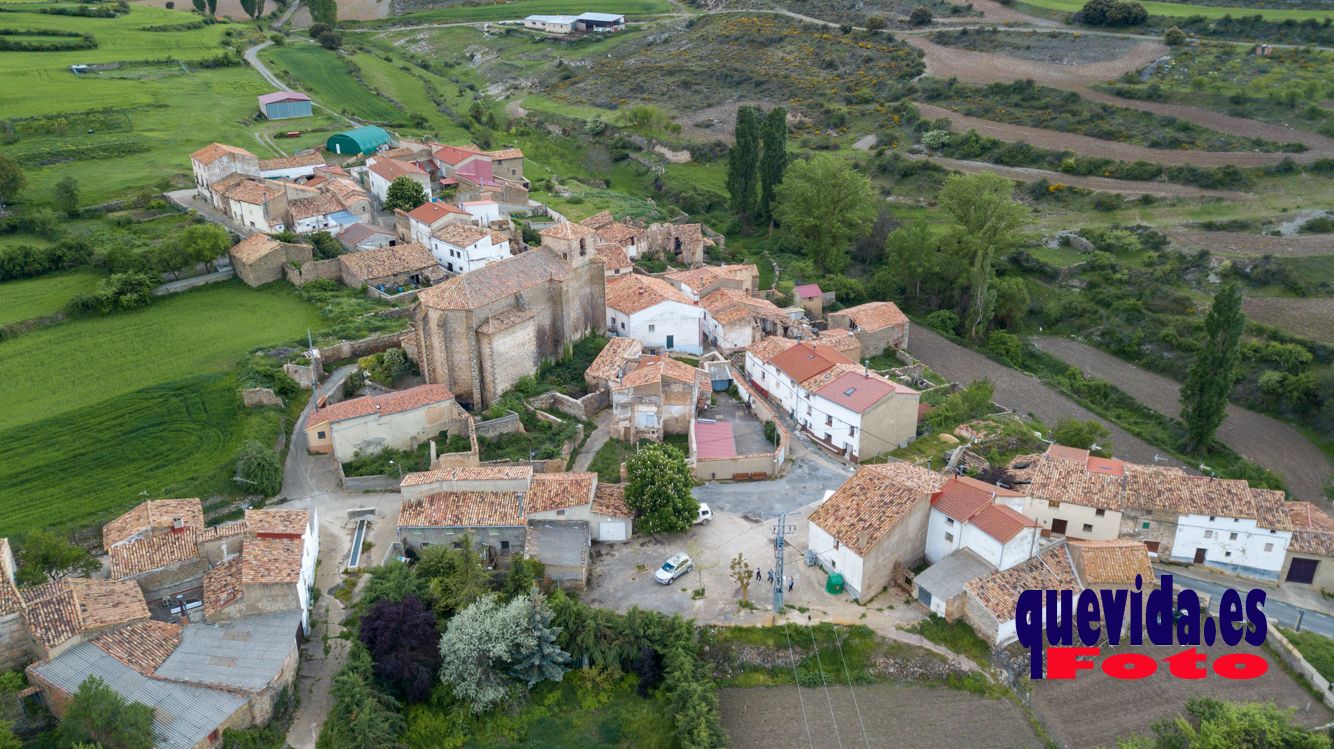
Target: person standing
(790, 582)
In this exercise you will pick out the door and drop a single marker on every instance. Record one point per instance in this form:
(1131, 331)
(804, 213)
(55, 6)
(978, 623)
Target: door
(1302, 570)
(1058, 526)
(1199, 555)
(671, 341)
(611, 530)
(924, 596)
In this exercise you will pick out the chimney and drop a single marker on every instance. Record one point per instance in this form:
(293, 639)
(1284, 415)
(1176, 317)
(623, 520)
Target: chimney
(177, 523)
(518, 496)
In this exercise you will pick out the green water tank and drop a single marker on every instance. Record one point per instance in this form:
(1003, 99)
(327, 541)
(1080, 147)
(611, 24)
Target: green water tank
(834, 584)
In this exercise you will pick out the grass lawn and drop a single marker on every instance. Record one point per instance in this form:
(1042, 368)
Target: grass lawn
(521, 8)
(27, 298)
(956, 636)
(324, 75)
(1318, 650)
(607, 461)
(1186, 9)
(85, 362)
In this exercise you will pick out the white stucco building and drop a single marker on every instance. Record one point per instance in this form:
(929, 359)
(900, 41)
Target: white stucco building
(969, 514)
(369, 424)
(382, 172)
(655, 312)
(460, 248)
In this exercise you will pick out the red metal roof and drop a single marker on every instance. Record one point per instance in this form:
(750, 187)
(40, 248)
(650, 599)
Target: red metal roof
(1002, 523)
(808, 291)
(713, 439)
(804, 361)
(858, 391)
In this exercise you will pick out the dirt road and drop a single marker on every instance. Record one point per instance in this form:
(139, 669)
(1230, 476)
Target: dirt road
(1102, 184)
(1057, 140)
(1266, 440)
(1021, 392)
(1244, 244)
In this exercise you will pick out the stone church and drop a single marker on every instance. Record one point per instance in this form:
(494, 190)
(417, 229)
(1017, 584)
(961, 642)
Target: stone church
(479, 332)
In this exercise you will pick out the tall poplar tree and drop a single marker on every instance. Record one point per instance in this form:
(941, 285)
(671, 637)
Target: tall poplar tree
(1204, 393)
(743, 162)
(773, 161)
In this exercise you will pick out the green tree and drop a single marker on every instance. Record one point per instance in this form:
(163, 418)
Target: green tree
(920, 16)
(658, 490)
(212, 7)
(1204, 394)
(204, 243)
(7, 738)
(455, 577)
(823, 205)
(988, 223)
(913, 256)
(1210, 724)
(1006, 346)
(393, 581)
(540, 658)
(331, 40)
(200, 6)
(742, 575)
(1083, 434)
(773, 159)
(523, 575)
(12, 180)
(361, 716)
(405, 193)
(44, 556)
(97, 714)
(1012, 300)
(66, 196)
(259, 470)
(743, 163)
(479, 647)
(170, 257)
(323, 11)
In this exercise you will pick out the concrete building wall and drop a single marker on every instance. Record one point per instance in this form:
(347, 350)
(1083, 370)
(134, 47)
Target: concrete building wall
(505, 542)
(1236, 545)
(1324, 572)
(867, 576)
(834, 557)
(373, 433)
(1101, 527)
(653, 326)
(982, 621)
(888, 425)
(944, 536)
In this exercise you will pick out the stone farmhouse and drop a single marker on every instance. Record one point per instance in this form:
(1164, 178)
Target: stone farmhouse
(389, 269)
(614, 259)
(478, 333)
(654, 312)
(734, 320)
(367, 425)
(612, 362)
(299, 166)
(701, 282)
(360, 237)
(628, 237)
(878, 325)
(656, 396)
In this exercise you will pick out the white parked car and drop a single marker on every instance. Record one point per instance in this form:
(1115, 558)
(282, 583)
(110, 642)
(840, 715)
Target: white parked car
(673, 568)
(705, 514)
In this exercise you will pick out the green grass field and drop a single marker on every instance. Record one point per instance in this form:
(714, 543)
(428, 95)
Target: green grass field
(85, 362)
(520, 8)
(322, 74)
(27, 298)
(1185, 9)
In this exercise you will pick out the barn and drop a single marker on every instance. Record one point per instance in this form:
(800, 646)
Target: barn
(361, 140)
(283, 105)
(600, 22)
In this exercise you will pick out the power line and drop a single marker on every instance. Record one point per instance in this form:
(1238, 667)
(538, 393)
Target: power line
(848, 675)
(796, 679)
(832, 717)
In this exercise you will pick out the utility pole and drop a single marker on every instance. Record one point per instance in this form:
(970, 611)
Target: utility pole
(314, 365)
(780, 548)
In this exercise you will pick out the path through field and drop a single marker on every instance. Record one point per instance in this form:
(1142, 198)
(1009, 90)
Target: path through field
(1102, 184)
(1020, 391)
(1264, 439)
(1245, 244)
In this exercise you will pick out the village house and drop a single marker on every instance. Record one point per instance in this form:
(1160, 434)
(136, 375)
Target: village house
(366, 425)
(734, 320)
(494, 520)
(421, 222)
(569, 240)
(284, 105)
(360, 237)
(390, 268)
(612, 362)
(168, 561)
(701, 282)
(272, 571)
(216, 161)
(299, 166)
(483, 212)
(971, 514)
(626, 236)
(614, 260)
(657, 396)
(354, 197)
(877, 519)
(1310, 559)
(322, 212)
(655, 312)
(473, 478)
(260, 259)
(257, 204)
(841, 340)
(381, 173)
(878, 325)
(460, 248)
(478, 175)
(550, 24)
(683, 244)
(809, 297)
(479, 332)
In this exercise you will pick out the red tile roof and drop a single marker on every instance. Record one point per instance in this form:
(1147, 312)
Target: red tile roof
(768, 347)
(859, 390)
(807, 291)
(389, 403)
(974, 502)
(461, 235)
(277, 522)
(142, 646)
(469, 509)
(155, 514)
(999, 592)
(469, 473)
(214, 151)
(558, 491)
(222, 586)
(60, 610)
(1111, 562)
(1313, 529)
(873, 501)
(876, 315)
(659, 368)
(613, 356)
(152, 553)
(1001, 522)
(271, 561)
(454, 155)
(804, 360)
(1062, 452)
(392, 169)
(636, 293)
(609, 499)
(429, 213)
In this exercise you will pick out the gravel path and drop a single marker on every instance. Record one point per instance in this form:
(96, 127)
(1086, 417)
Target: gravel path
(1252, 245)
(1057, 140)
(1129, 187)
(1266, 440)
(1021, 392)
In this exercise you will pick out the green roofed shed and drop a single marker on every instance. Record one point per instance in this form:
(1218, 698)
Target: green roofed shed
(361, 140)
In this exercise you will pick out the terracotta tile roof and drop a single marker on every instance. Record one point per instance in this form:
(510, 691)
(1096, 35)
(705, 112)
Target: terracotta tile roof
(385, 405)
(152, 553)
(961, 501)
(254, 192)
(1110, 562)
(496, 281)
(222, 530)
(876, 315)
(461, 235)
(618, 233)
(469, 473)
(462, 510)
(311, 159)
(613, 356)
(221, 186)
(222, 586)
(698, 278)
(142, 646)
(254, 247)
(807, 291)
(214, 151)
(1106, 466)
(609, 499)
(990, 488)
(60, 610)
(598, 220)
(391, 169)
(505, 153)
(320, 205)
(658, 368)
(387, 261)
(557, 491)
(357, 233)
(1002, 523)
(505, 320)
(1313, 530)
(872, 502)
(567, 230)
(268, 561)
(346, 190)
(277, 522)
(1056, 480)
(839, 339)
(499, 237)
(1030, 463)
(999, 592)
(971, 501)
(636, 293)
(429, 213)
(454, 155)
(1073, 454)
(158, 514)
(804, 360)
(733, 305)
(768, 347)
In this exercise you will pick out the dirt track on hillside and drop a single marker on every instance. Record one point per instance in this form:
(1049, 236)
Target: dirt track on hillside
(1252, 245)
(1102, 184)
(1057, 140)
(1266, 440)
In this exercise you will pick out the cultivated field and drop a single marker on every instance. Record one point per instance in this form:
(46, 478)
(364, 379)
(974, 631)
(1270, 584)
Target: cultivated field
(27, 298)
(1039, 46)
(906, 716)
(429, 12)
(1188, 9)
(1252, 245)
(326, 77)
(1309, 318)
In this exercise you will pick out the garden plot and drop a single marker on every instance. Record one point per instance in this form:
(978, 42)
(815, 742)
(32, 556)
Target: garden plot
(1311, 318)
(1045, 47)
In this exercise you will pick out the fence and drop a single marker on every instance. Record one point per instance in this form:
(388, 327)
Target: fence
(1293, 658)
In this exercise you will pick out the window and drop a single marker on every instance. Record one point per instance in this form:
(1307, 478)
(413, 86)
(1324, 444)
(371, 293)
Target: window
(1208, 534)
(833, 563)
(949, 538)
(1212, 517)
(651, 327)
(949, 521)
(504, 545)
(622, 325)
(1144, 525)
(1053, 503)
(1232, 537)
(1088, 527)
(808, 409)
(559, 513)
(829, 421)
(1227, 553)
(320, 435)
(837, 544)
(852, 431)
(1269, 547)
(1151, 546)
(1100, 513)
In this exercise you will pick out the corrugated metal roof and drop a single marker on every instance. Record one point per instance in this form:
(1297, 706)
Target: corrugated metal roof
(246, 653)
(713, 439)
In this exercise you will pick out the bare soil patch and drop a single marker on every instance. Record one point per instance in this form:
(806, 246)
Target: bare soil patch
(906, 716)
(1107, 149)
(1309, 318)
(1038, 46)
(1252, 245)
(1266, 440)
(1102, 184)
(1096, 710)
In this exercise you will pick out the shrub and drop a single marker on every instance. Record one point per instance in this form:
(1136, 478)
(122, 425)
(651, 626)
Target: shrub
(875, 23)
(1006, 346)
(920, 16)
(1111, 13)
(944, 320)
(259, 470)
(1174, 37)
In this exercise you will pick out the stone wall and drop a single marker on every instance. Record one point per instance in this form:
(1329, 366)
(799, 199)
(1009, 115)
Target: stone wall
(314, 270)
(14, 645)
(506, 424)
(364, 347)
(1293, 658)
(583, 409)
(259, 397)
(304, 374)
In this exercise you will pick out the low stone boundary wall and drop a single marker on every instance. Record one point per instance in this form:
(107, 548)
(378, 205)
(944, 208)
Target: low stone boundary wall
(259, 397)
(583, 408)
(1293, 657)
(359, 348)
(506, 424)
(380, 483)
(315, 270)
